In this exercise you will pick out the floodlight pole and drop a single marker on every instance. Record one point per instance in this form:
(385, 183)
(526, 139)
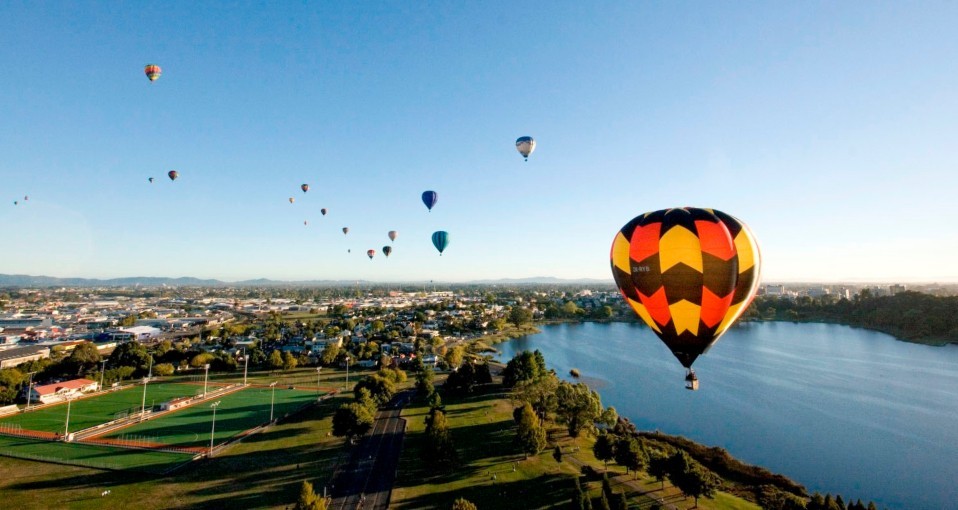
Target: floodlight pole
(319, 371)
(245, 365)
(346, 387)
(271, 400)
(206, 378)
(30, 389)
(66, 428)
(146, 380)
(102, 372)
(214, 405)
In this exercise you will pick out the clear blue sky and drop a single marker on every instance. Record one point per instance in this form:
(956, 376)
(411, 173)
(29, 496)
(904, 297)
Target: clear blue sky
(829, 127)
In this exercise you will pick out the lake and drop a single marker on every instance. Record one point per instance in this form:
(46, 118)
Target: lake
(835, 408)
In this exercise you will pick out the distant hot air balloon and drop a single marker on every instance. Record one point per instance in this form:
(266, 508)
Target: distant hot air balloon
(323, 210)
(689, 273)
(345, 230)
(387, 250)
(370, 254)
(393, 235)
(153, 72)
(306, 222)
(151, 180)
(304, 187)
(291, 200)
(525, 145)
(173, 174)
(430, 198)
(16, 203)
(440, 240)
(25, 198)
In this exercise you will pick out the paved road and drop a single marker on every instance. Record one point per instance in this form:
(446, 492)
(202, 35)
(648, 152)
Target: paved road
(365, 482)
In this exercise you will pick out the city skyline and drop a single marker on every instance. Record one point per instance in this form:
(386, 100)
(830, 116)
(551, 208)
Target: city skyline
(827, 128)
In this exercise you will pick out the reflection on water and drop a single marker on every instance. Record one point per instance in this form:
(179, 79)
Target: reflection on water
(836, 408)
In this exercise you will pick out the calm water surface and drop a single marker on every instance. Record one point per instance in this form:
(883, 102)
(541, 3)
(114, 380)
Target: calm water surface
(835, 408)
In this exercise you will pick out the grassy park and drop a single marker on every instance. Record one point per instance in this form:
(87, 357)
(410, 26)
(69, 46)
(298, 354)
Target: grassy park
(94, 410)
(92, 456)
(236, 413)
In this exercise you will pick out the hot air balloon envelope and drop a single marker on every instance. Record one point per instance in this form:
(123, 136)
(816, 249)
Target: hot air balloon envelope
(393, 235)
(371, 254)
(304, 187)
(153, 71)
(345, 230)
(291, 200)
(323, 210)
(440, 240)
(387, 250)
(689, 273)
(173, 174)
(525, 145)
(430, 198)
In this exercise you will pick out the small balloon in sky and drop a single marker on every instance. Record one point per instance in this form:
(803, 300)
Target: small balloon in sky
(387, 250)
(151, 180)
(440, 240)
(304, 187)
(291, 200)
(153, 72)
(525, 145)
(324, 211)
(173, 174)
(393, 235)
(430, 198)
(371, 254)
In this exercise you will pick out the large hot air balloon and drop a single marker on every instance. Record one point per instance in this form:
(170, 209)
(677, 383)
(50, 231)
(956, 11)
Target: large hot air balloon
(525, 145)
(153, 72)
(440, 240)
(151, 180)
(370, 254)
(291, 200)
(387, 250)
(173, 174)
(430, 198)
(304, 187)
(393, 235)
(323, 210)
(689, 273)
(345, 230)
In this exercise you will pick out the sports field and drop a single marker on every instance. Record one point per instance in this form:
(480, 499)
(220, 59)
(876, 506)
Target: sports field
(237, 413)
(100, 457)
(91, 411)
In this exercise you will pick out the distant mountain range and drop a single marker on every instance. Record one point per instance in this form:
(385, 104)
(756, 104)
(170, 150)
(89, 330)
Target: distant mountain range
(20, 280)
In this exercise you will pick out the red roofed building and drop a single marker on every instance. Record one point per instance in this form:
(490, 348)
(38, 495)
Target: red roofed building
(60, 391)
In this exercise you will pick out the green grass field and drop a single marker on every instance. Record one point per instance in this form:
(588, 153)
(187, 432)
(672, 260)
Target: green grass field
(92, 411)
(93, 456)
(237, 412)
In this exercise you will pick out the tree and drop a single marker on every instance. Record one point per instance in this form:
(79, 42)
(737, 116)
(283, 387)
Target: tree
(424, 380)
(289, 361)
(604, 448)
(454, 356)
(201, 360)
(329, 354)
(352, 419)
(130, 354)
(463, 504)
(525, 366)
(84, 357)
(380, 388)
(439, 451)
(630, 454)
(530, 434)
(275, 360)
(308, 500)
(659, 467)
(690, 477)
(163, 369)
(520, 315)
(579, 408)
